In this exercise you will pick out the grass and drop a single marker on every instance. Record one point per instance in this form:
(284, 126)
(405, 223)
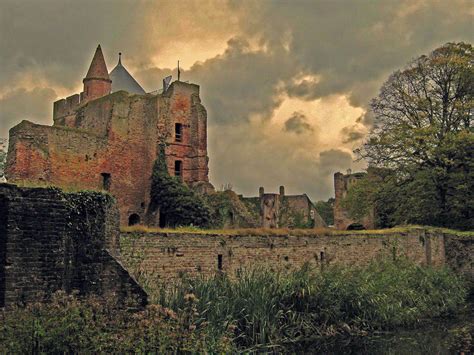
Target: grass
(287, 231)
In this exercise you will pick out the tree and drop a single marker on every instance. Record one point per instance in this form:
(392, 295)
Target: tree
(178, 204)
(421, 107)
(423, 134)
(326, 210)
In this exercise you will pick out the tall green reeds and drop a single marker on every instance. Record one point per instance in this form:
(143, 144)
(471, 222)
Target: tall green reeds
(265, 307)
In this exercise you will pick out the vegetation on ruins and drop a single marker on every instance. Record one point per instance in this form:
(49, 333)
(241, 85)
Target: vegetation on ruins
(326, 210)
(178, 204)
(422, 144)
(259, 308)
(3, 158)
(227, 210)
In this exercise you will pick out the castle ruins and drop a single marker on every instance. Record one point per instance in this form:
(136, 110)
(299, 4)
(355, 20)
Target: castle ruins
(107, 137)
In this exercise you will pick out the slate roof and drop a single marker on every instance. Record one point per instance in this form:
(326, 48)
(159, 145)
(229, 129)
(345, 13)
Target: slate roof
(123, 80)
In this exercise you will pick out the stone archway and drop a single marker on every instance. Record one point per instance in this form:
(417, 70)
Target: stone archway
(133, 219)
(355, 227)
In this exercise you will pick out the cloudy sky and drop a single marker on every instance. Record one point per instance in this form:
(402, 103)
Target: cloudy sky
(286, 83)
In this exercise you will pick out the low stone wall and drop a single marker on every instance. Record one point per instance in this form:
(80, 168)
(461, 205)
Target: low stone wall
(50, 240)
(169, 255)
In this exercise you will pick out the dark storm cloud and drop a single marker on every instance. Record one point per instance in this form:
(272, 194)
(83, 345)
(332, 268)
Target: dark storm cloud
(301, 49)
(354, 45)
(298, 123)
(353, 132)
(20, 104)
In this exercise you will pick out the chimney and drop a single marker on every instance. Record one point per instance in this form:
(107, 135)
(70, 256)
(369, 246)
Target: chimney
(282, 190)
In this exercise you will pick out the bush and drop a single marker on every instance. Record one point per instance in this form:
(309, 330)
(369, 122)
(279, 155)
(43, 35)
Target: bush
(178, 204)
(69, 325)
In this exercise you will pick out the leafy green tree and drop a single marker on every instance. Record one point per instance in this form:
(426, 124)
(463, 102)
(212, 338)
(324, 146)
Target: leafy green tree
(420, 108)
(326, 210)
(178, 204)
(423, 135)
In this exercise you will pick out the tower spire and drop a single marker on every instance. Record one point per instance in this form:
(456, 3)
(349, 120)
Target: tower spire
(98, 68)
(97, 82)
(120, 58)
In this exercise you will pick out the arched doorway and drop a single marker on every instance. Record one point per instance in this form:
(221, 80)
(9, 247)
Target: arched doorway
(355, 227)
(133, 219)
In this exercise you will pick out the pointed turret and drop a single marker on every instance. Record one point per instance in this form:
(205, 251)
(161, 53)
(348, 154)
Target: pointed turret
(97, 82)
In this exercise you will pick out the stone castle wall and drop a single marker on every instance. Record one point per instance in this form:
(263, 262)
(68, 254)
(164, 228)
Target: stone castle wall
(52, 241)
(112, 142)
(169, 255)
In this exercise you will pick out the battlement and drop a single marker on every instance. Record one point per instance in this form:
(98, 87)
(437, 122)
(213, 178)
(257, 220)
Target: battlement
(65, 107)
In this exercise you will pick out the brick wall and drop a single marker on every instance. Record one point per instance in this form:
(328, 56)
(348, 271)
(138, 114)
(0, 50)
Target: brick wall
(168, 255)
(53, 241)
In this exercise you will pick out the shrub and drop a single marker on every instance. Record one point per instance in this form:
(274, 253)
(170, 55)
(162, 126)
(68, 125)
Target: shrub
(69, 325)
(178, 204)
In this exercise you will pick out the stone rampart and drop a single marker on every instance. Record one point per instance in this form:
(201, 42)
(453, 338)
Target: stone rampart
(169, 255)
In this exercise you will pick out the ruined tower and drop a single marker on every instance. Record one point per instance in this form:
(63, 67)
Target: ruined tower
(342, 219)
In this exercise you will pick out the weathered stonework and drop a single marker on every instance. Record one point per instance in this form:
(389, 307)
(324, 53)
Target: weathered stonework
(342, 220)
(169, 255)
(52, 241)
(281, 210)
(110, 141)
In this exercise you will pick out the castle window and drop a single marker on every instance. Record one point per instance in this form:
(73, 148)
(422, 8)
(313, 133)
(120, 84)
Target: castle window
(178, 132)
(219, 262)
(133, 219)
(106, 181)
(178, 168)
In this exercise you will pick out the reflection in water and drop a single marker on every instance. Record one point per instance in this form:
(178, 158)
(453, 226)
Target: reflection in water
(435, 338)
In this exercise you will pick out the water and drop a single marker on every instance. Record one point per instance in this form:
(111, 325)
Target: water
(436, 337)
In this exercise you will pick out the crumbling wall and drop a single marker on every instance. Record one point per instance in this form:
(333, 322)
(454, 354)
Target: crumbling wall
(342, 219)
(283, 211)
(460, 253)
(55, 241)
(169, 255)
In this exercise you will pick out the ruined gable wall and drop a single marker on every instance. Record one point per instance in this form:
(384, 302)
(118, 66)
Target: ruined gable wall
(296, 207)
(168, 255)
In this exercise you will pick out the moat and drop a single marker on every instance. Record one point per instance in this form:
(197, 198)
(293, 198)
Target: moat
(440, 336)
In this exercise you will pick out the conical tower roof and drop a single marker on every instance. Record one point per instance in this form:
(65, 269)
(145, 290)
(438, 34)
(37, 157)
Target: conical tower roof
(123, 80)
(98, 68)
